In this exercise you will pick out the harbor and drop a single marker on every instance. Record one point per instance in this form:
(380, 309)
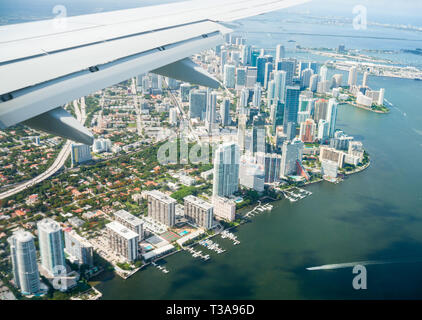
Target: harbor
(198, 254)
(161, 268)
(259, 209)
(211, 245)
(295, 194)
(227, 234)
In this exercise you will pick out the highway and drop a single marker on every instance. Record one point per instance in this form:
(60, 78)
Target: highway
(57, 164)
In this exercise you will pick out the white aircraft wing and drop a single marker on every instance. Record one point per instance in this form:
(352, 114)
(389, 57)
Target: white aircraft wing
(46, 64)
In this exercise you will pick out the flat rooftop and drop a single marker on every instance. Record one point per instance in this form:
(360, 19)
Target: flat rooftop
(161, 196)
(129, 218)
(121, 230)
(198, 202)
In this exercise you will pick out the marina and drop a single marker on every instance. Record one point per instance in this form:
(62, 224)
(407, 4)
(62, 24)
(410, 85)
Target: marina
(213, 246)
(295, 194)
(163, 269)
(226, 234)
(198, 254)
(259, 209)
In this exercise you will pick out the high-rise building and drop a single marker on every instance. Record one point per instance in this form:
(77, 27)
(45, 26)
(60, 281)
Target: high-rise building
(122, 241)
(241, 132)
(323, 73)
(78, 249)
(313, 82)
(80, 153)
(381, 96)
(51, 246)
(130, 221)
(244, 97)
(302, 66)
(199, 211)
(24, 262)
(279, 53)
(260, 65)
(224, 208)
(225, 112)
(365, 79)
(197, 104)
(308, 131)
(291, 155)
(353, 76)
(280, 85)
(161, 207)
(257, 143)
(332, 115)
(229, 75)
(251, 175)
(184, 91)
(271, 163)
(289, 66)
(257, 92)
(291, 105)
(321, 110)
(226, 170)
(246, 55)
(241, 77)
(323, 130)
(102, 145)
(268, 71)
(211, 107)
(305, 79)
(251, 76)
(173, 116)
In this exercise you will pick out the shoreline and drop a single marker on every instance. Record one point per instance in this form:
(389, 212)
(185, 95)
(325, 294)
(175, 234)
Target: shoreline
(354, 104)
(243, 219)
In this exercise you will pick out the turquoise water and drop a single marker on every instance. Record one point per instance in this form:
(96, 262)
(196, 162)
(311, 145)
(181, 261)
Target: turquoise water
(372, 216)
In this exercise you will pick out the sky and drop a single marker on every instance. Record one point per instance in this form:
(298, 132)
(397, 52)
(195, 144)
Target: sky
(384, 11)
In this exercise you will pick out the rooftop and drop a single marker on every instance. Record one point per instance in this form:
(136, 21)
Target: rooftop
(121, 230)
(161, 196)
(129, 218)
(198, 202)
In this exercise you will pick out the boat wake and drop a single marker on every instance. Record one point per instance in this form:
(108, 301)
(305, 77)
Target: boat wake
(363, 263)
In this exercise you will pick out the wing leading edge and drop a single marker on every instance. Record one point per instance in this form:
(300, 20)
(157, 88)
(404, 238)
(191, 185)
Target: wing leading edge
(46, 64)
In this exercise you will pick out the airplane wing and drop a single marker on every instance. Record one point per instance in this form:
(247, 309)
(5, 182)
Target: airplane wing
(46, 64)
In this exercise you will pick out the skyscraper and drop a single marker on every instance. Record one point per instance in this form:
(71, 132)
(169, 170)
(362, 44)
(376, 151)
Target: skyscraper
(241, 132)
(161, 207)
(225, 112)
(241, 77)
(308, 131)
(80, 153)
(321, 108)
(291, 105)
(226, 170)
(365, 79)
(197, 103)
(323, 73)
(291, 154)
(332, 115)
(24, 262)
(184, 91)
(211, 107)
(229, 75)
(353, 76)
(279, 53)
(280, 85)
(268, 71)
(288, 65)
(260, 65)
(323, 130)
(306, 78)
(51, 246)
(257, 95)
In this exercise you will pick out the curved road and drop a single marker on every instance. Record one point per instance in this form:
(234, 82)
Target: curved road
(57, 164)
